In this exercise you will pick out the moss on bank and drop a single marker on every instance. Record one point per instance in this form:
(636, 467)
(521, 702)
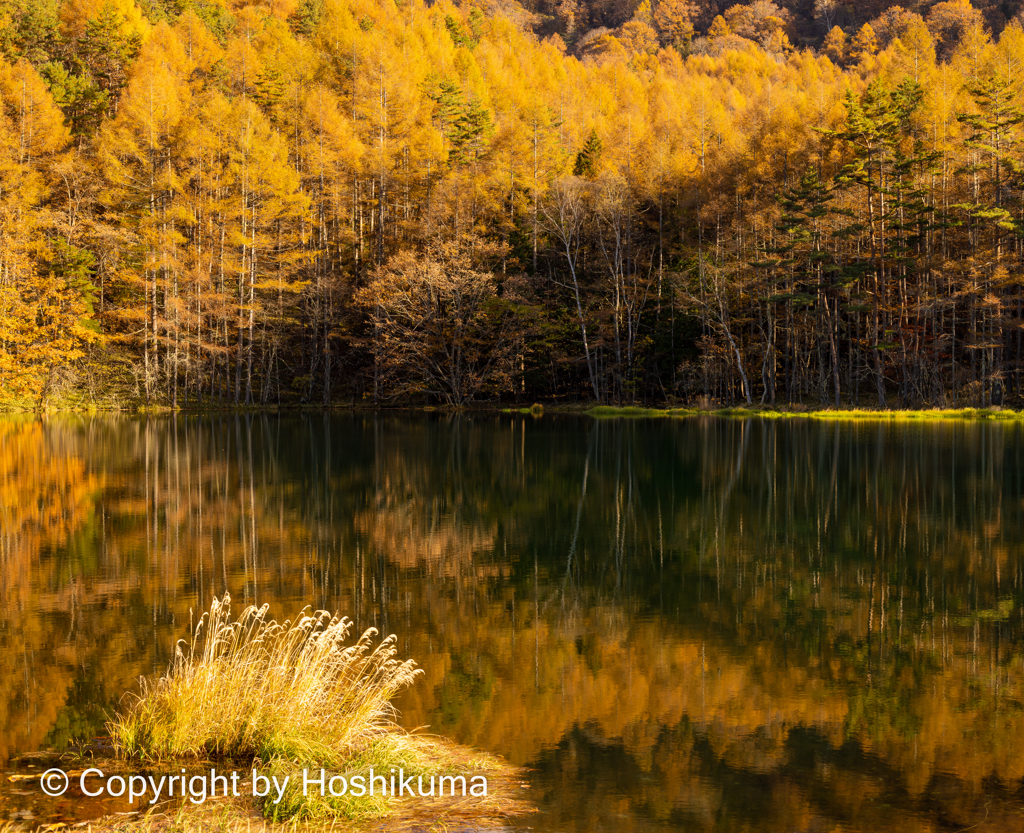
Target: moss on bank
(111, 390)
(991, 414)
(637, 411)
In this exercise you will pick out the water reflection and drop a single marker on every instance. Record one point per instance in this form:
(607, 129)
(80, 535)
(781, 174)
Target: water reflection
(699, 624)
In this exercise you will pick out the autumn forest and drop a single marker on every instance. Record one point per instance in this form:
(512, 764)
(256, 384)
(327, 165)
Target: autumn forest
(335, 202)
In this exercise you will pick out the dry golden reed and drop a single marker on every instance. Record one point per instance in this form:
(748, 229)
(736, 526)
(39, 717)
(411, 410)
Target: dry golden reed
(253, 688)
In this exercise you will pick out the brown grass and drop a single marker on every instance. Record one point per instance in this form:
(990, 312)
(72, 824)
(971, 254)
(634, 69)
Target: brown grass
(297, 696)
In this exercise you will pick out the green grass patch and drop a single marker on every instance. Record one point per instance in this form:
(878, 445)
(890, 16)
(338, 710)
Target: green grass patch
(991, 414)
(741, 412)
(536, 409)
(626, 411)
(931, 414)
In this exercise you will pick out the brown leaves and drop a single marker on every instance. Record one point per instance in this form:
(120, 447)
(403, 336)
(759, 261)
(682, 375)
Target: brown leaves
(439, 325)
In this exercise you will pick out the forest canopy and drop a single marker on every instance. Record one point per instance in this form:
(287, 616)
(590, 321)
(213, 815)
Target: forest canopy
(340, 201)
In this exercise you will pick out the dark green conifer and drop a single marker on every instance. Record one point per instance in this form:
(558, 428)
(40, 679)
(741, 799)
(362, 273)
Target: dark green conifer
(587, 159)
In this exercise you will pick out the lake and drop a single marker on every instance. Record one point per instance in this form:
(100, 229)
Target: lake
(697, 624)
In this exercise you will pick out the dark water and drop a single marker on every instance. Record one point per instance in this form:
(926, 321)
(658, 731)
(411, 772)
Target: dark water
(701, 624)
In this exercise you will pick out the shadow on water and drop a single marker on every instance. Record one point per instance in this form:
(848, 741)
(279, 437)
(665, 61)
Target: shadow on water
(695, 624)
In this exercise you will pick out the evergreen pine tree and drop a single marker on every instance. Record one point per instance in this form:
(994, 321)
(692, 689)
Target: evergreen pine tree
(587, 159)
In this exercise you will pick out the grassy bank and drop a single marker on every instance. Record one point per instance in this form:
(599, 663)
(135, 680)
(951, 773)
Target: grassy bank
(992, 414)
(296, 696)
(111, 390)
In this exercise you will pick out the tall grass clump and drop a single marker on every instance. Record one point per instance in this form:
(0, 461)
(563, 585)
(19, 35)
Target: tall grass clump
(253, 688)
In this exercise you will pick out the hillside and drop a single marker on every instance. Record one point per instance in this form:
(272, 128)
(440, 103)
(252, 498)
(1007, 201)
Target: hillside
(687, 23)
(339, 201)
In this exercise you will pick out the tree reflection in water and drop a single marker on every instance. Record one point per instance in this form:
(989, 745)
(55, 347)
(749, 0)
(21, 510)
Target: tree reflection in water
(701, 624)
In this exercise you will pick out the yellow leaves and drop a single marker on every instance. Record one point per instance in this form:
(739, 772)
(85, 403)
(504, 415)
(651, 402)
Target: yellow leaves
(1009, 52)
(864, 43)
(249, 161)
(39, 315)
(674, 21)
(719, 29)
(140, 151)
(242, 60)
(197, 42)
(157, 98)
(280, 9)
(762, 22)
(331, 141)
(35, 125)
(638, 38)
(835, 45)
(75, 14)
(606, 47)
(915, 48)
(208, 144)
(956, 25)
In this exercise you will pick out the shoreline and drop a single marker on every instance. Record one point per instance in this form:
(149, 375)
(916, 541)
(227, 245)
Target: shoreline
(997, 414)
(853, 414)
(506, 799)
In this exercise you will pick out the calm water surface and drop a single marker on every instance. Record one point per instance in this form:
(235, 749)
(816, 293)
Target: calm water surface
(699, 624)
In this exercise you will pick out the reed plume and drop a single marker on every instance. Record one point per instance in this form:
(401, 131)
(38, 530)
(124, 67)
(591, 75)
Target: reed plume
(252, 687)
